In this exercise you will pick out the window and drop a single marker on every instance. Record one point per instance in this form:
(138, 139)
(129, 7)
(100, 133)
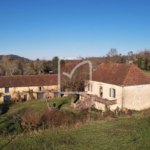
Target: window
(90, 87)
(112, 92)
(6, 90)
(39, 88)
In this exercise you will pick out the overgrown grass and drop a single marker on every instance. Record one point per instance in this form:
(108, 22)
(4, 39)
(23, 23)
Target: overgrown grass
(123, 133)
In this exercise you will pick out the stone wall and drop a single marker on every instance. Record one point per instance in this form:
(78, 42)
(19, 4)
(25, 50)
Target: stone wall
(137, 97)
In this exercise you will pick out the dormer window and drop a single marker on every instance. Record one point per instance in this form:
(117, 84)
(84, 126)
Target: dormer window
(40, 88)
(7, 90)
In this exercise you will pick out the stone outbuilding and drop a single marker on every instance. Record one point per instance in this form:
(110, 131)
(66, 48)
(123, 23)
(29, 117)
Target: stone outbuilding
(26, 87)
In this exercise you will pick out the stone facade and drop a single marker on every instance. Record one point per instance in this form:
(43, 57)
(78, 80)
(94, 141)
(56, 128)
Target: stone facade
(17, 87)
(46, 90)
(135, 97)
(106, 89)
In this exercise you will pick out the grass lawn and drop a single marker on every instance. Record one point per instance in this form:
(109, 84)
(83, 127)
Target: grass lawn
(147, 72)
(122, 133)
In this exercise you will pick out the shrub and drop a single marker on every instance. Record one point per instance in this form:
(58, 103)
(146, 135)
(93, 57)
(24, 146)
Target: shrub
(53, 118)
(12, 123)
(107, 108)
(30, 120)
(31, 94)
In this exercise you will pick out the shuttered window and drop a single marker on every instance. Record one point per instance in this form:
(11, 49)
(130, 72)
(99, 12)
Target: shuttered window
(112, 92)
(6, 90)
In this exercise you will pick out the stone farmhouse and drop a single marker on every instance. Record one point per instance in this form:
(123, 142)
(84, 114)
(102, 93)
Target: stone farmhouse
(25, 85)
(117, 85)
(122, 85)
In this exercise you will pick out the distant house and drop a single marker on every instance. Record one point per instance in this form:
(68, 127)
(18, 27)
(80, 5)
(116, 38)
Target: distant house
(40, 85)
(122, 85)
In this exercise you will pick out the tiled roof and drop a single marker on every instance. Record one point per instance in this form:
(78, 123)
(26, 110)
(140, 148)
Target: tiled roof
(28, 80)
(106, 101)
(120, 74)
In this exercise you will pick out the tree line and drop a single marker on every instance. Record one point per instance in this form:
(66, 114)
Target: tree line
(9, 67)
(141, 59)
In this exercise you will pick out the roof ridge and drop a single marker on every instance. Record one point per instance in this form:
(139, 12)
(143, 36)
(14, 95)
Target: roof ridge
(28, 75)
(98, 66)
(127, 74)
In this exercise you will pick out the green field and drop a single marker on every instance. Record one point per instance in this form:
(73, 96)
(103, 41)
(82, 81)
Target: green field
(130, 132)
(147, 72)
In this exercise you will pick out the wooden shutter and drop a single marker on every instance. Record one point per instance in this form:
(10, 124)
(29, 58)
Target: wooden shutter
(114, 93)
(110, 92)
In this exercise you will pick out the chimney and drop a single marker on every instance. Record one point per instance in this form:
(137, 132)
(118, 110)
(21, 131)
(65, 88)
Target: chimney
(128, 62)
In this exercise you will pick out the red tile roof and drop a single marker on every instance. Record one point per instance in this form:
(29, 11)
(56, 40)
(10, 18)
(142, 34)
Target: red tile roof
(28, 80)
(106, 101)
(120, 74)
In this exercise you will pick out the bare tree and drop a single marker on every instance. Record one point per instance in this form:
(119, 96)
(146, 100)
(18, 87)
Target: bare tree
(1, 72)
(39, 68)
(77, 81)
(9, 65)
(29, 71)
(112, 52)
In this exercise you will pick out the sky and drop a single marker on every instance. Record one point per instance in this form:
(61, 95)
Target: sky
(72, 28)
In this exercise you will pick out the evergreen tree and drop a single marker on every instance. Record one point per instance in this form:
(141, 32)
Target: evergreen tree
(55, 62)
(62, 63)
(140, 62)
(146, 64)
(32, 65)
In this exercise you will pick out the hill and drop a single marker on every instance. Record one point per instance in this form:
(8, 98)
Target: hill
(16, 57)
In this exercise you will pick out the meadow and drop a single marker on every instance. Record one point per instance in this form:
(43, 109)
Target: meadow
(121, 132)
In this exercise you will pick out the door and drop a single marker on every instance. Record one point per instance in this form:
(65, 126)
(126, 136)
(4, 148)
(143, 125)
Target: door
(39, 95)
(25, 97)
(7, 98)
(55, 94)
